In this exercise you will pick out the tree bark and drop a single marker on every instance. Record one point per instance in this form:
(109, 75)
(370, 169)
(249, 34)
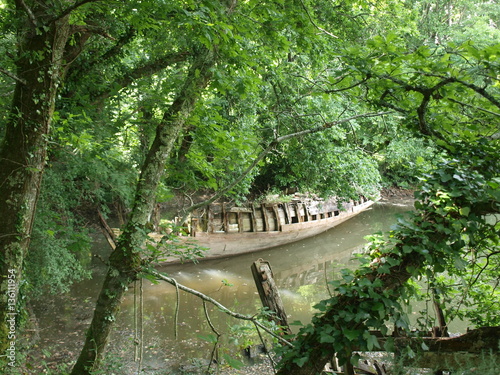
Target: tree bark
(40, 68)
(125, 260)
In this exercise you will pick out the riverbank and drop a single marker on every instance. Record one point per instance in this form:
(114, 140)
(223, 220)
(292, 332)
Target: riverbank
(397, 195)
(299, 269)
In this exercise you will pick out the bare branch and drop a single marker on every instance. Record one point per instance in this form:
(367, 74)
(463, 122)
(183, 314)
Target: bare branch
(224, 309)
(13, 76)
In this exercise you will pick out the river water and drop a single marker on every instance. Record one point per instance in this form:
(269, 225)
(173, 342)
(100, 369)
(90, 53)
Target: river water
(300, 270)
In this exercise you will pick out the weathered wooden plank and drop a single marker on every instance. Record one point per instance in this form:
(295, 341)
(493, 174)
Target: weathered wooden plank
(276, 216)
(253, 214)
(264, 216)
(240, 209)
(240, 221)
(225, 218)
(269, 293)
(246, 222)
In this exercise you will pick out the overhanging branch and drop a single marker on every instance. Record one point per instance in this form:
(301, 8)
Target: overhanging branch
(328, 125)
(272, 145)
(13, 76)
(223, 308)
(28, 11)
(146, 69)
(67, 11)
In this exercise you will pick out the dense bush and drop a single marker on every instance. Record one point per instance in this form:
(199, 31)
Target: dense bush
(405, 160)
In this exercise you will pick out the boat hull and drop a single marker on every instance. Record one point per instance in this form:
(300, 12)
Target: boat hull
(229, 244)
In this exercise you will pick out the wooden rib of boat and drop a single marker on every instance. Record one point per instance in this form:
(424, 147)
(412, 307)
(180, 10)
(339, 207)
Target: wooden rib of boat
(229, 230)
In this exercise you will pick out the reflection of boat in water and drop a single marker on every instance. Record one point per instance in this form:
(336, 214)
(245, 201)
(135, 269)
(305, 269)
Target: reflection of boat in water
(229, 230)
(314, 270)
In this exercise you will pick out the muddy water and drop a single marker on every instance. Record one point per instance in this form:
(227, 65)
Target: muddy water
(300, 271)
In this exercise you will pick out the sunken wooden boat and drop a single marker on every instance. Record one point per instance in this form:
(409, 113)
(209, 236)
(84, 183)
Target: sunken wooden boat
(226, 229)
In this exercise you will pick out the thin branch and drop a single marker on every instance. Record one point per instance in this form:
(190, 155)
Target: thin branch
(472, 106)
(368, 76)
(7, 94)
(383, 103)
(13, 76)
(30, 13)
(271, 360)
(212, 327)
(313, 83)
(141, 314)
(223, 191)
(224, 309)
(480, 90)
(209, 321)
(148, 68)
(314, 24)
(177, 307)
(271, 146)
(121, 42)
(71, 9)
(328, 125)
(91, 29)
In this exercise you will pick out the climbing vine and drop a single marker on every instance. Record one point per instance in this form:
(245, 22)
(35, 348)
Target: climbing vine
(453, 231)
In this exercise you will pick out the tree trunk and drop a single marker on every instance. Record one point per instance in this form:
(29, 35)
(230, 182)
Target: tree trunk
(319, 353)
(23, 150)
(125, 260)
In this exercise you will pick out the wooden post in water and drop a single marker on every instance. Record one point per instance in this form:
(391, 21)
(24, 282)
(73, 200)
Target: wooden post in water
(269, 294)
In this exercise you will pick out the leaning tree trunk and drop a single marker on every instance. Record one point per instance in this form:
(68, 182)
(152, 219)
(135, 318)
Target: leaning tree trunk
(125, 260)
(23, 152)
(320, 353)
(408, 255)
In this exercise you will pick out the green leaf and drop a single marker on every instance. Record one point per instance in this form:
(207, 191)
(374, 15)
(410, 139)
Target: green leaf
(233, 362)
(355, 359)
(209, 338)
(464, 211)
(371, 341)
(300, 361)
(351, 334)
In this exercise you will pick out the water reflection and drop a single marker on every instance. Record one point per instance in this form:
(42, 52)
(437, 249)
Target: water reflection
(299, 269)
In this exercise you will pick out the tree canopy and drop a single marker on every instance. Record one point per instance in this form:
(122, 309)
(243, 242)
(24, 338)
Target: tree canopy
(121, 105)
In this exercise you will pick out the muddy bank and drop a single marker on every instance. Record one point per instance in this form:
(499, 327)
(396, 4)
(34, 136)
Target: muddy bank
(63, 319)
(397, 195)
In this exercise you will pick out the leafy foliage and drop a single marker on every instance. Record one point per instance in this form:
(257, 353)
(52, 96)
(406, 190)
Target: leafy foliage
(61, 250)
(405, 160)
(450, 232)
(279, 68)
